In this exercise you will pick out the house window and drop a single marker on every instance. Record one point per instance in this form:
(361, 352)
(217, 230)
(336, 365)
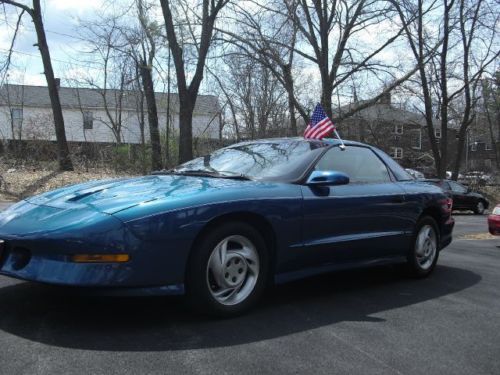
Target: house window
(397, 152)
(473, 146)
(487, 163)
(437, 133)
(487, 146)
(88, 120)
(16, 114)
(398, 129)
(416, 139)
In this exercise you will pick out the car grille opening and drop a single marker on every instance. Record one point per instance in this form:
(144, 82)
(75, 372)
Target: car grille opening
(20, 257)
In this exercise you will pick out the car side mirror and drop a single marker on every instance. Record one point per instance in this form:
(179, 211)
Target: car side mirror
(327, 178)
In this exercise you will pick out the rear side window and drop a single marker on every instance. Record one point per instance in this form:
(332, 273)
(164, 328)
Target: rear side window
(359, 163)
(457, 188)
(445, 185)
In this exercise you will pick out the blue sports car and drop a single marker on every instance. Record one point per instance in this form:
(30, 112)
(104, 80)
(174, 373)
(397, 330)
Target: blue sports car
(221, 227)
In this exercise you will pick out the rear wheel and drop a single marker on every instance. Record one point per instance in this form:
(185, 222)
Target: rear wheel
(228, 270)
(424, 250)
(479, 209)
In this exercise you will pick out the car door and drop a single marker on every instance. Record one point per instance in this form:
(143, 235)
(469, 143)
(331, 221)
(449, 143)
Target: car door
(459, 194)
(362, 220)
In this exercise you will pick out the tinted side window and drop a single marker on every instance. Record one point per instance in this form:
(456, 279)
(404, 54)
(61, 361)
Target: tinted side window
(445, 185)
(359, 163)
(457, 187)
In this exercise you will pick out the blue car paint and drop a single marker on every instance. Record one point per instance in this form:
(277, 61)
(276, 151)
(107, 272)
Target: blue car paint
(156, 219)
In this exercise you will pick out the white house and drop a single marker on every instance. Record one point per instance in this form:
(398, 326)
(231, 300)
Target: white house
(93, 115)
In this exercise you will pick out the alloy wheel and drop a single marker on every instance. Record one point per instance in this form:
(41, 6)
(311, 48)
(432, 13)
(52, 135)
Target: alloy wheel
(232, 270)
(426, 247)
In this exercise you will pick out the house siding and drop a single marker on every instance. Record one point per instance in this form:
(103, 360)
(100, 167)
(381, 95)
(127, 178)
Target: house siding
(37, 123)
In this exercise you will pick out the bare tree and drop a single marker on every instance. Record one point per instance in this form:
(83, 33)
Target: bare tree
(104, 36)
(267, 35)
(456, 32)
(257, 96)
(478, 38)
(35, 12)
(203, 20)
(146, 57)
(490, 89)
(327, 28)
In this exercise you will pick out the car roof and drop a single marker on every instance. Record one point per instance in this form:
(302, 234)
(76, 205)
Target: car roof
(321, 142)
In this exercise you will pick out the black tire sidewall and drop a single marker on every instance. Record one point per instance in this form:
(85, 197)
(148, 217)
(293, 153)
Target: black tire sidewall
(415, 268)
(197, 290)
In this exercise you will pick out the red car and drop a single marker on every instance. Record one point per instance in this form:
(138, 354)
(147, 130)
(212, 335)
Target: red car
(494, 221)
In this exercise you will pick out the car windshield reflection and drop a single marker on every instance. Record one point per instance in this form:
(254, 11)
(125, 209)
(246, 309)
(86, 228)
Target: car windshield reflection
(253, 160)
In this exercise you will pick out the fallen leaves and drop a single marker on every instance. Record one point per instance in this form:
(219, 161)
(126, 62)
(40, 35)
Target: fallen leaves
(478, 236)
(20, 183)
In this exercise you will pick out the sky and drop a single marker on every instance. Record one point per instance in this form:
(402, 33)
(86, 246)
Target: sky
(61, 19)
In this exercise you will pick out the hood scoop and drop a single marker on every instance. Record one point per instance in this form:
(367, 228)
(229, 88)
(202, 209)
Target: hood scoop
(81, 196)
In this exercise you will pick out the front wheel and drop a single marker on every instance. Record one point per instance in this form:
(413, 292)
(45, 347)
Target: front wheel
(228, 270)
(424, 250)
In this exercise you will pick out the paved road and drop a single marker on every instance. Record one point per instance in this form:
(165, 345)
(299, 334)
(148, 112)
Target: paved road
(359, 322)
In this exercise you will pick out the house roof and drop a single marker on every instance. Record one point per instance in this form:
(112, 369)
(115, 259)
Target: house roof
(385, 112)
(86, 98)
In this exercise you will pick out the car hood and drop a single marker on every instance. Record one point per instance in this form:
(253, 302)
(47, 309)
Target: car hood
(112, 196)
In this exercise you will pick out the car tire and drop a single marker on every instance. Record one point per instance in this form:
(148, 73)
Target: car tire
(227, 270)
(479, 209)
(424, 248)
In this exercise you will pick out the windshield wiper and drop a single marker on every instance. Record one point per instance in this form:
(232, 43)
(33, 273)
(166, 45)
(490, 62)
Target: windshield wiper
(206, 173)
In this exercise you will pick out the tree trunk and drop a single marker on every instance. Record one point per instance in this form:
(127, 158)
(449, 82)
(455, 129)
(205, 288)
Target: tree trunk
(63, 155)
(288, 80)
(186, 108)
(154, 132)
(443, 161)
(326, 96)
(462, 133)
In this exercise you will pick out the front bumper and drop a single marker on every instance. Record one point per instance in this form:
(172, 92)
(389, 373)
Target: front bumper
(39, 243)
(118, 279)
(446, 233)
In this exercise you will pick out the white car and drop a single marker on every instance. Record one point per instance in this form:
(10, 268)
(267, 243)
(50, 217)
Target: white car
(415, 174)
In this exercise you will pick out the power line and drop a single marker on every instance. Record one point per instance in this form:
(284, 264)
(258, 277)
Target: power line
(59, 33)
(52, 58)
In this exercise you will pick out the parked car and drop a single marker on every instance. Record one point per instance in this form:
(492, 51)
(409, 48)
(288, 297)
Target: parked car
(494, 221)
(221, 227)
(449, 174)
(415, 174)
(463, 197)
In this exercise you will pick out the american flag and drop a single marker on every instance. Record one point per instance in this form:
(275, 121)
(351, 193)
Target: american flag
(320, 125)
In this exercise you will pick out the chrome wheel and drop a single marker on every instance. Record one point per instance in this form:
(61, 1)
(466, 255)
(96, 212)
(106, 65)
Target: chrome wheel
(480, 207)
(232, 270)
(426, 247)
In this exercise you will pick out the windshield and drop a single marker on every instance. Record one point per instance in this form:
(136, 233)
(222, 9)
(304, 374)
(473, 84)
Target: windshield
(279, 160)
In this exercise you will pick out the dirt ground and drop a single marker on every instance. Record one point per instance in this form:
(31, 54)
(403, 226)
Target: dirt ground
(18, 183)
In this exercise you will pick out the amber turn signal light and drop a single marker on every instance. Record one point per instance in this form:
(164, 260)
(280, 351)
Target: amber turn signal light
(100, 258)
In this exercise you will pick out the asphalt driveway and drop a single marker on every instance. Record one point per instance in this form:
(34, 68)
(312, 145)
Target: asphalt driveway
(369, 321)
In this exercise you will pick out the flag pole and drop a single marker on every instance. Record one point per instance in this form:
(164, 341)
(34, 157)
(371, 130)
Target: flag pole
(342, 145)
